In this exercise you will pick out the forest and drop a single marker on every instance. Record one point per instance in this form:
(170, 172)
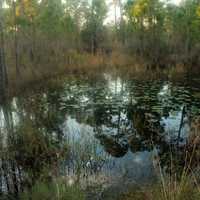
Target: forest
(100, 99)
(36, 34)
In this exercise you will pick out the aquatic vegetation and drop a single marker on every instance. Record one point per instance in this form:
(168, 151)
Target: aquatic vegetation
(98, 132)
(97, 96)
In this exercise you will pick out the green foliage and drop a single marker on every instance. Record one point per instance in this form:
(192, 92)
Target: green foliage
(157, 31)
(146, 21)
(51, 13)
(93, 33)
(57, 190)
(160, 30)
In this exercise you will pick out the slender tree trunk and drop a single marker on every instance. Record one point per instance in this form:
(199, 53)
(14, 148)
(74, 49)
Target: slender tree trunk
(121, 11)
(3, 71)
(115, 4)
(16, 41)
(121, 22)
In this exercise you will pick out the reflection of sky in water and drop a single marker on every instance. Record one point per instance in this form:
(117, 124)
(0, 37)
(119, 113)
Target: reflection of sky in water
(172, 124)
(106, 103)
(131, 167)
(80, 134)
(173, 121)
(136, 167)
(15, 112)
(116, 87)
(74, 129)
(9, 119)
(6, 114)
(165, 90)
(118, 93)
(2, 119)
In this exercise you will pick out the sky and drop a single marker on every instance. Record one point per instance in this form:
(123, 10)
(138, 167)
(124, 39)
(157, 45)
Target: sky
(111, 13)
(176, 1)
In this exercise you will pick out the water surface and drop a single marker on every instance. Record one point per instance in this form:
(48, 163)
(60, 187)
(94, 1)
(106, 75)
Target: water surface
(114, 127)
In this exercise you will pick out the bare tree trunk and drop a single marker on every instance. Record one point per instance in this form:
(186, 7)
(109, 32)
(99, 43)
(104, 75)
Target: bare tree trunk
(16, 41)
(3, 71)
(121, 11)
(115, 5)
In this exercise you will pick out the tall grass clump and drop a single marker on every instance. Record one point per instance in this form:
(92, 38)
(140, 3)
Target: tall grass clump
(56, 190)
(168, 188)
(176, 184)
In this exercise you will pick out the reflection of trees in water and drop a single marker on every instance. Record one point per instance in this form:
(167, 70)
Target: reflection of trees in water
(126, 117)
(116, 146)
(142, 129)
(144, 132)
(31, 140)
(34, 142)
(136, 127)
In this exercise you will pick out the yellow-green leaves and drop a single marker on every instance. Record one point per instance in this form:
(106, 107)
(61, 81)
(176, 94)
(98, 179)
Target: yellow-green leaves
(26, 8)
(198, 11)
(139, 8)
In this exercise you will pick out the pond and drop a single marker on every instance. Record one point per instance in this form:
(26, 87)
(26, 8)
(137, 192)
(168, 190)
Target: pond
(108, 129)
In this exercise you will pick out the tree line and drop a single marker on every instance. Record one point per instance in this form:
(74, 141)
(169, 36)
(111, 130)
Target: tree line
(38, 32)
(163, 32)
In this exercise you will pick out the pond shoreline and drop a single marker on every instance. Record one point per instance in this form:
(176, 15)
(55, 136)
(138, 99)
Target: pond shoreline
(93, 65)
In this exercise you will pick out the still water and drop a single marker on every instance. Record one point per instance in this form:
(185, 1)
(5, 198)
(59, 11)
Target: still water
(109, 129)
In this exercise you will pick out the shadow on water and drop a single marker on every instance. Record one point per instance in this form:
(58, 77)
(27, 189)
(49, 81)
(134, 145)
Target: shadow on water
(94, 131)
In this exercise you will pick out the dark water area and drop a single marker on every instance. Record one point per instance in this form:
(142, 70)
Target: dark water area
(104, 130)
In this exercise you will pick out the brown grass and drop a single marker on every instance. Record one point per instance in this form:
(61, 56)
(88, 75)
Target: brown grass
(75, 63)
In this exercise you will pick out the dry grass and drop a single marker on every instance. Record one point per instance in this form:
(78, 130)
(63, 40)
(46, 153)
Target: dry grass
(175, 187)
(73, 62)
(168, 188)
(176, 191)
